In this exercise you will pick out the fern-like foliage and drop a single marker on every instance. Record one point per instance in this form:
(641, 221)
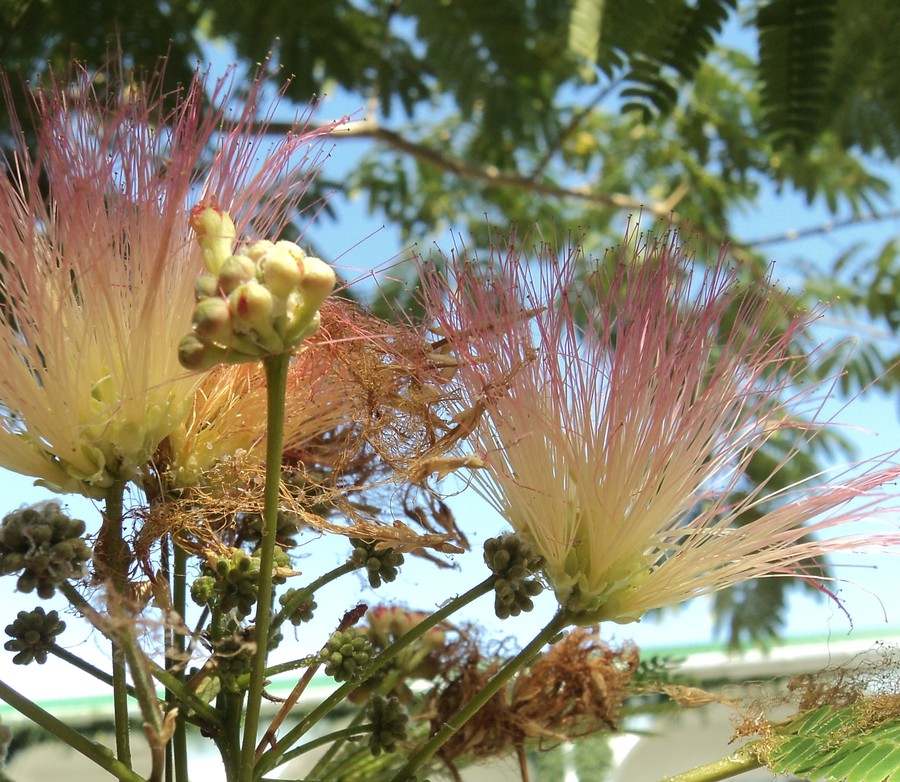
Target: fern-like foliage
(796, 39)
(837, 744)
(662, 43)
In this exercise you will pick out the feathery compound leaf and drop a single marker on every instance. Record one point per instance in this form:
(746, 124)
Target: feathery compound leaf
(584, 33)
(682, 35)
(796, 38)
(849, 744)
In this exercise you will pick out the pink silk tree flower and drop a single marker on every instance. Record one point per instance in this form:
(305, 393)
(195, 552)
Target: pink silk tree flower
(98, 261)
(614, 414)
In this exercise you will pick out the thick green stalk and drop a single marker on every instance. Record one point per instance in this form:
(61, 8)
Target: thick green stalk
(337, 744)
(179, 603)
(115, 560)
(724, 768)
(336, 738)
(276, 387)
(98, 753)
(65, 654)
(424, 753)
(155, 726)
(178, 687)
(275, 756)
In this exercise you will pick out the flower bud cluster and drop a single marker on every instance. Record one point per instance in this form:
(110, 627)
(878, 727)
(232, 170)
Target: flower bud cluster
(512, 559)
(381, 565)
(234, 656)
(303, 610)
(233, 586)
(389, 724)
(287, 524)
(346, 655)
(419, 660)
(45, 544)
(33, 633)
(260, 301)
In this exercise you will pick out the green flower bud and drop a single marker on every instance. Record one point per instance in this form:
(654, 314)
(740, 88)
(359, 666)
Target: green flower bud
(196, 355)
(318, 282)
(346, 655)
(389, 720)
(253, 312)
(45, 545)
(205, 286)
(235, 271)
(512, 559)
(215, 233)
(212, 320)
(303, 611)
(281, 271)
(381, 565)
(33, 634)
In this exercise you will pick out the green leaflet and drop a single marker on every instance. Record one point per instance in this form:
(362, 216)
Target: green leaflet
(836, 745)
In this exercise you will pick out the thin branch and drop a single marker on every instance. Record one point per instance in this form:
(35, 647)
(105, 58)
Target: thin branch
(818, 230)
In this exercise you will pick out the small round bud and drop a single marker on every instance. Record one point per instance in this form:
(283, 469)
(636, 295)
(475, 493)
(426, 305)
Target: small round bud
(236, 270)
(33, 634)
(212, 319)
(194, 354)
(281, 272)
(206, 285)
(318, 282)
(252, 309)
(259, 250)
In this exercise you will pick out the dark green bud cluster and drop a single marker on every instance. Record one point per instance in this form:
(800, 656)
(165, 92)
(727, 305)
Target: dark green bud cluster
(287, 524)
(302, 611)
(346, 655)
(389, 722)
(44, 544)
(234, 656)
(512, 559)
(234, 584)
(381, 566)
(33, 633)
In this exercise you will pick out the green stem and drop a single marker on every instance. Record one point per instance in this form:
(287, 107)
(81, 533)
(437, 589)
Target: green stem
(293, 665)
(724, 768)
(183, 694)
(179, 603)
(65, 654)
(178, 687)
(276, 387)
(98, 753)
(424, 753)
(338, 742)
(338, 737)
(116, 561)
(145, 692)
(274, 756)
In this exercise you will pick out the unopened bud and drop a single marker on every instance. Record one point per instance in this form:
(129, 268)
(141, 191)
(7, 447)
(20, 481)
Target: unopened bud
(281, 271)
(215, 233)
(212, 319)
(206, 285)
(194, 354)
(259, 250)
(235, 271)
(318, 281)
(252, 307)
